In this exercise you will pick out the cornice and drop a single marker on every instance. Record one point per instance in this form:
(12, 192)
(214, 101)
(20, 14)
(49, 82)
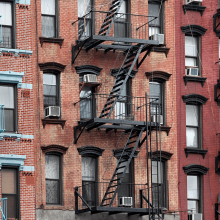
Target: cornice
(195, 168)
(52, 66)
(197, 29)
(158, 74)
(84, 69)
(194, 98)
(90, 151)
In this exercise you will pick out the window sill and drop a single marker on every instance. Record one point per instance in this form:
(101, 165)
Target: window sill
(190, 150)
(162, 49)
(51, 40)
(191, 7)
(194, 79)
(53, 121)
(162, 128)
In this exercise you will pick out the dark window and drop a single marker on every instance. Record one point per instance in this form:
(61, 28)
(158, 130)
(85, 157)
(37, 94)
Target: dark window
(49, 18)
(6, 11)
(155, 9)
(9, 179)
(121, 23)
(157, 105)
(53, 178)
(89, 180)
(193, 194)
(193, 124)
(84, 23)
(126, 189)
(159, 181)
(51, 88)
(10, 106)
(192, 52)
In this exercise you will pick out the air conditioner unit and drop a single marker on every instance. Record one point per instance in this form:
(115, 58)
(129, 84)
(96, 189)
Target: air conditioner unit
(191, 71)
(90, 78)
(195, 216)
(159, 37)
(158, 118)
(190, 1)
(52, 111)
(125, 201)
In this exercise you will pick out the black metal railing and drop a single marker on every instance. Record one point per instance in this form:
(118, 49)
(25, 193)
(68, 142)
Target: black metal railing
(126, 108)
(125, 25)
(91, 194)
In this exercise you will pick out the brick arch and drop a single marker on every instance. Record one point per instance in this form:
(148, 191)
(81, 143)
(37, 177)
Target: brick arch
(54, 148)
(52, 66)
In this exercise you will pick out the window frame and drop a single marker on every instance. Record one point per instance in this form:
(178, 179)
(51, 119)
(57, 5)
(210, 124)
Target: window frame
(198, 62)
(13, 27)
(17, 188)
(60, 178)
(57, 74)
(161, 16)
(56, 20)
(15, 106)
(199, 127)
(163, 101)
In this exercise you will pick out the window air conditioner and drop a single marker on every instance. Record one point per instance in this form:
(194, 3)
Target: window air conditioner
(158, 119)
(125, 201)
(52, 111)
(195, 216)
(90, 78)
(191, 71)
(190, 1)
(159, 37)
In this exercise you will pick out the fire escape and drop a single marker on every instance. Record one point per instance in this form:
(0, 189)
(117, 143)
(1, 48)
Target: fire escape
(117, 112)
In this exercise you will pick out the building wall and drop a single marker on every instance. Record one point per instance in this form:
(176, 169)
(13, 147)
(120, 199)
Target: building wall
(210, 111)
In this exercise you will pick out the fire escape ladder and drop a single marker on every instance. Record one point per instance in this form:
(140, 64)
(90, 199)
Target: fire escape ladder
(116, 181)
(120, 81)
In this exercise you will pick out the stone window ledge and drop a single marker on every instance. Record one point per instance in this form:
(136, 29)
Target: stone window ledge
(53, 121)
(191, 7)
(189, 150)
(194, 79)
(162, 128)
(51, 40)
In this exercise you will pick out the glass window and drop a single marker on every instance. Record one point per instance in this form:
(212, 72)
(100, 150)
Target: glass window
(193, 195)
(48, 18)
(7, 24)
(9, 181)
(50, 85)
(53, 179)
(192, 125)
(86, 103)
(8, 100)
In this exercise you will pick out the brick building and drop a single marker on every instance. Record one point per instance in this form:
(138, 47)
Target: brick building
(197, 108)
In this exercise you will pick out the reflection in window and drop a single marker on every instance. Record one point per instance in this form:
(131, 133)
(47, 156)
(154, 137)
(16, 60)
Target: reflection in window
(191, 51)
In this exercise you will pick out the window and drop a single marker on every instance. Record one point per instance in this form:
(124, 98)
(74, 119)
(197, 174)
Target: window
(6, 11)
(159, 180)
(84, 23)
(123, 107)
(53, 177)
(51, 88)
(10, 106)
(193, 126)
(89, 180)
(49, 18)
(121, 24)
(155, 9)
(157, 101)
(9, 179)
(193, 194)
(192, 52)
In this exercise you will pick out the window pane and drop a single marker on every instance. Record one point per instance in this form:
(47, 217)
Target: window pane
(192, 115)
(50, 90)
(122, 10)
(153, 30)
(48, 7)
(155, 98)
(88, 192)
(192, 206)
(52, 192)
(219, 48)
(7, 96)
(11, 205)
(153, 10)
(83, 9)
(84, 31)
(9, 181)
(158, 177)
(88, 168)
(190, 61)
(52, 164)
(191, 137)
(192, 187)
(122, 169)
(5, 12)
(6, 37)
(190, 46)
(9, 120)
(48, 26)
(49, 79)
(120, 111)
(50, 101)
(86, 91)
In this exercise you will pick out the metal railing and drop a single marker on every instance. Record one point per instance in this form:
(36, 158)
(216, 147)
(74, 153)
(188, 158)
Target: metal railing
(125, 25)
(126, 108)
(91, 194)
(3, 208)
(2, 119)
